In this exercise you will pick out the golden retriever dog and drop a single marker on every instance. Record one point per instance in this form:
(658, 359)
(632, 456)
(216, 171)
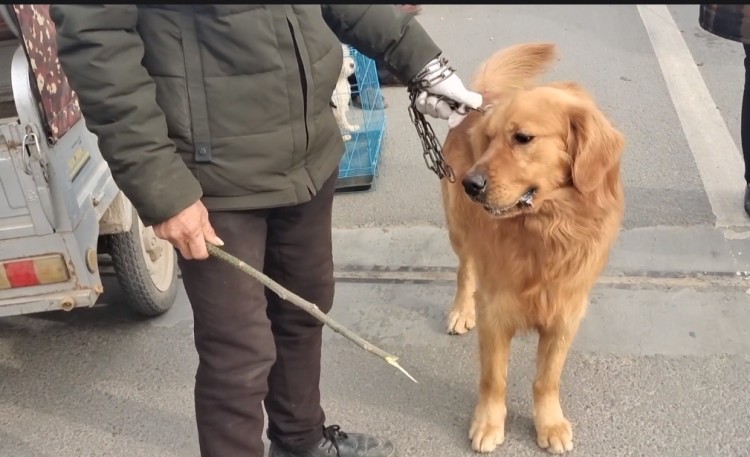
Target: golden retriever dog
(532, 215)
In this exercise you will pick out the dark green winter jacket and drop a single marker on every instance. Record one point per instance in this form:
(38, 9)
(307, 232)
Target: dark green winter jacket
(228, 103)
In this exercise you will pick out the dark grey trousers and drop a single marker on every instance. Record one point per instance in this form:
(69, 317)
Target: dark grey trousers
(253, 347)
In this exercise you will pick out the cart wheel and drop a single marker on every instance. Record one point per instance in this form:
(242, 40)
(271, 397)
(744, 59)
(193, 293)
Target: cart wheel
(146, 268)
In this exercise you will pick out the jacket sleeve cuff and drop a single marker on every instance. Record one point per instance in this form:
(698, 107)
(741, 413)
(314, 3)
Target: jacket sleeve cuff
(163, 196)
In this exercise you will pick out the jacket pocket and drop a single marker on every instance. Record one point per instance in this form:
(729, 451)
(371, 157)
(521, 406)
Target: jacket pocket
(171, 96)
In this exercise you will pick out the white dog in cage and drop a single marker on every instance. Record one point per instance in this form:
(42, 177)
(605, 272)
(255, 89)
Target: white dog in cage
(342, 96)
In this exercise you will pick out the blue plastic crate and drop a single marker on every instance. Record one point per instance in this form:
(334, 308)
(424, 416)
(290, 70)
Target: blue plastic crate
(359, 165)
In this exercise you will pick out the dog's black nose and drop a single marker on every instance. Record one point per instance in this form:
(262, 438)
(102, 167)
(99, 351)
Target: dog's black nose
(474, 184)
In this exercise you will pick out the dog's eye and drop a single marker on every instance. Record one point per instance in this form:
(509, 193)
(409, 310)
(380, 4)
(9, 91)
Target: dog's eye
(522, 138)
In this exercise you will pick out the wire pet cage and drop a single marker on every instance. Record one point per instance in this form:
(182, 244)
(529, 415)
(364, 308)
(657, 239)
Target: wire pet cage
(365, 116)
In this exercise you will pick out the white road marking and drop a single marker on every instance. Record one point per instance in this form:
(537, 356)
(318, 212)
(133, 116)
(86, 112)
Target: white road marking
(716, 155)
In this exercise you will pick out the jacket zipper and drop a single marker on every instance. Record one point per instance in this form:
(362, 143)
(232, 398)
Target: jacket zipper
(303, 81)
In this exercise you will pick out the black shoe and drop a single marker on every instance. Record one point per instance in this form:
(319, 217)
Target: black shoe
(340, 444)
(747, 199)
(372, 102)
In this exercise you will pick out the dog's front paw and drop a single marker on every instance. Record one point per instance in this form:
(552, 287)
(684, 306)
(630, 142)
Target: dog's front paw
(556, 437)
(353, 127)
(346, 137)
(486, 434)
(461, 320)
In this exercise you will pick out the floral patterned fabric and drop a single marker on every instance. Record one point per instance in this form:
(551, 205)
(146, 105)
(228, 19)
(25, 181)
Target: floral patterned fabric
(59, 101)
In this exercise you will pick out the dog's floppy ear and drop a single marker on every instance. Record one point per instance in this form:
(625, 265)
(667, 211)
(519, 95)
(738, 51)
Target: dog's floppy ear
(594, 144)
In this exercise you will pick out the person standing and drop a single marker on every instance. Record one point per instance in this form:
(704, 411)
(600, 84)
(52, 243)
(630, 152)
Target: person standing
(215, 122)
(732, 22)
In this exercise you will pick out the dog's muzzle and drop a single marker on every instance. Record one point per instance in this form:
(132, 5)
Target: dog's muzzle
(525, 202)
(475, 186)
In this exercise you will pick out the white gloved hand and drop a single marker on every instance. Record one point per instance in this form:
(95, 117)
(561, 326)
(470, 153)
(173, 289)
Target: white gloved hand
(433, 99)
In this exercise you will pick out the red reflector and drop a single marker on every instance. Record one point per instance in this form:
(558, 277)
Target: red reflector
(21, 273)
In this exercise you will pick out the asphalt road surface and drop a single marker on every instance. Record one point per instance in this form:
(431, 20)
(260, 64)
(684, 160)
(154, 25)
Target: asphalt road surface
(660, 367)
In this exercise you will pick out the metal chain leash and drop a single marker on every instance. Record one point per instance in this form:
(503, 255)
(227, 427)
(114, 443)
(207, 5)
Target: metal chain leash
(432, 151)
(434, 73)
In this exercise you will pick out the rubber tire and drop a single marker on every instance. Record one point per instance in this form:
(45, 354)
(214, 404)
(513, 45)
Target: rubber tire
(131, 269)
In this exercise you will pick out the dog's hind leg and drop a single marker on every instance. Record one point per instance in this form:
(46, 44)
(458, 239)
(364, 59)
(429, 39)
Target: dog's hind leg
(554, 432)
(462, 316)
(488, 426)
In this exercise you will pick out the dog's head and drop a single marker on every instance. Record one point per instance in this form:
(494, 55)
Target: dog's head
(348, 66)
(538, 143)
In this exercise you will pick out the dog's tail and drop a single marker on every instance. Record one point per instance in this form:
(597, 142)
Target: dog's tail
(516, 66)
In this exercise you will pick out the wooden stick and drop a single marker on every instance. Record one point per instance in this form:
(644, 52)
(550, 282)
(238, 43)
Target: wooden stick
(311, 308)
